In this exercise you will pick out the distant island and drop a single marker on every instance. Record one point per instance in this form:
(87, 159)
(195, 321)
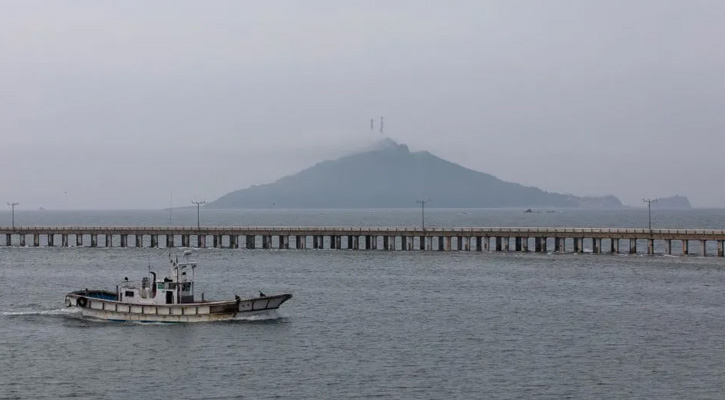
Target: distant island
(391, 176)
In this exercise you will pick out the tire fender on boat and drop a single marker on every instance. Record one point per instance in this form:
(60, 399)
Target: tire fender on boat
(82, 302)
(67, 302)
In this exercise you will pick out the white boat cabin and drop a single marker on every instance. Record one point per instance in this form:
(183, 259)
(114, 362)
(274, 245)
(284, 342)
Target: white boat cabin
(176, 288)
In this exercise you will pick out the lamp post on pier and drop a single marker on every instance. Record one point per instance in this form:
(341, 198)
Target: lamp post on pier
(422, 211)
(649, 212)
(12, 206)
(198, 205)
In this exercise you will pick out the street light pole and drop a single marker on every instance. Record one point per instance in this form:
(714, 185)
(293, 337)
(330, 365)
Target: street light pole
(422, 211)
(12, 206)
(649, 211)
(198, 204)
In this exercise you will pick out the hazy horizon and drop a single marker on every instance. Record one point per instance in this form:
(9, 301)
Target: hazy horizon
(115, 105)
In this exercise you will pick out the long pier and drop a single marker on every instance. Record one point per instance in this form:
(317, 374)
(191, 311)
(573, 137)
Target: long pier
(512, 239)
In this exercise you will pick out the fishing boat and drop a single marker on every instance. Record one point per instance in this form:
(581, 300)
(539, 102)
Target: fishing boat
(167, 299)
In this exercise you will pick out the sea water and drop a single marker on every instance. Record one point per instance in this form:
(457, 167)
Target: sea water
(362, 324)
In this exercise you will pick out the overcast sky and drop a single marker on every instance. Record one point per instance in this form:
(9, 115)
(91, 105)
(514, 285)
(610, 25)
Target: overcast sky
(116, 104)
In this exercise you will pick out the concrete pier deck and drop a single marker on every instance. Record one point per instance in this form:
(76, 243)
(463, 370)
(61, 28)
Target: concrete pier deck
(511, 239)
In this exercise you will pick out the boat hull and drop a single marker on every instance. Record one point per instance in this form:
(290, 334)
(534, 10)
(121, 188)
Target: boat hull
(111, 310)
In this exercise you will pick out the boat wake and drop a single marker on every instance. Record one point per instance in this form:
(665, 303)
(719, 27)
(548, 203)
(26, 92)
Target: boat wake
(59, 311)
(268, 315)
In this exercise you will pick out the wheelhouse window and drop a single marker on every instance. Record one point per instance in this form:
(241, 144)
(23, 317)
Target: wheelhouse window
(128, 293)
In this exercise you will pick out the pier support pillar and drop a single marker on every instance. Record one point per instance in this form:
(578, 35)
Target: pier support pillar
(506, 243)
(703, 246)
(459, 243)
(338, 242)
(479, 243)
(283, 242)
(94, 240)
(421, 243)
(349, 242)
(51, 239)
(632, 246)
(614, 244)
(668, 246)
(356, 242)
(685, 247)
(22, 239)
(333, 242)
(251, 241)
(201, 241)
(597, 245)
(124, 240)
(441, 243)
(154, 241)
(517, 244)
(578, 245)
(403, 243)
(486, 243)
(109, 240)
(64, 240)
(543, 245)
(8, 239)
(36, 240)
(525, 244)
(265, 242)
(499, 246)
(448, 243)
(467, 243)
(233, 241)
(169, 241)
(650, 246)
(720, 248)
(557, 245)
(537, 245)
(386, 242)
(139, 240)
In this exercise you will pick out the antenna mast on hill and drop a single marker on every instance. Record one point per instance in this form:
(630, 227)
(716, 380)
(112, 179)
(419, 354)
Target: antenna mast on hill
(381, 125)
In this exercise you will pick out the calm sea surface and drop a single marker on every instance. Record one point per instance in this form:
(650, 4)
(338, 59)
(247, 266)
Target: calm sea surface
(400, 325)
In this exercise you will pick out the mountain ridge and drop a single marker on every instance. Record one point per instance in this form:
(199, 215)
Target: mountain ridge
(389, 175)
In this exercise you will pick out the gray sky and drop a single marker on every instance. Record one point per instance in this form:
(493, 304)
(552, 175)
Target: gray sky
(117, 104)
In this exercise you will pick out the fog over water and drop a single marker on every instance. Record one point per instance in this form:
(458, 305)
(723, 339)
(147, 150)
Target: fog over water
(109, 105)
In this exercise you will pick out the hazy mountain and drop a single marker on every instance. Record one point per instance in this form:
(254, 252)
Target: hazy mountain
(672, 202)
(390, 176)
